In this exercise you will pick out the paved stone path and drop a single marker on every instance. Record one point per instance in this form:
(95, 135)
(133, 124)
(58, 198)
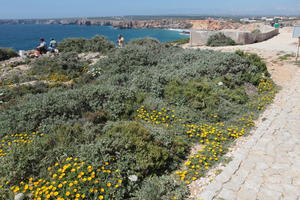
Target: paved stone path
(267, 167)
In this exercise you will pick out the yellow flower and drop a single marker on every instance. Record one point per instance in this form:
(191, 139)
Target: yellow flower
(101, 197)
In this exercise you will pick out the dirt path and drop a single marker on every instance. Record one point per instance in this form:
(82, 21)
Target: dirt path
(266, 164)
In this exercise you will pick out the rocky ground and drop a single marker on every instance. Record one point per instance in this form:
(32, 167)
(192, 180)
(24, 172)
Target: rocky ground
(265, 165)
(21, 65)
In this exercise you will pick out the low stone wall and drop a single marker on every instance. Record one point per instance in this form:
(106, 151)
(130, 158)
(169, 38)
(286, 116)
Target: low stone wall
(199, 37)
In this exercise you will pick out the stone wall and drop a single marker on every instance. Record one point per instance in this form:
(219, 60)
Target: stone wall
(200, 37)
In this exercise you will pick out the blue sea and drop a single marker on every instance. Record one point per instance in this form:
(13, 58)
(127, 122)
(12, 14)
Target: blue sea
(26, 36)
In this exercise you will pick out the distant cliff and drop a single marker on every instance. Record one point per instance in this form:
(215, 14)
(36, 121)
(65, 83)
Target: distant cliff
(122, 24)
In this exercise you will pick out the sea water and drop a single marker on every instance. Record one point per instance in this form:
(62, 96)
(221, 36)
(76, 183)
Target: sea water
(26, 36)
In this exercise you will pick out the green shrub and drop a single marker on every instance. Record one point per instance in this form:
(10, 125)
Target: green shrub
(220, 39)
(207, 97)
(33, 159)
(79, 45)
(148, 42)
(161, 188)
(256, 31)
(257, 68)
(137, 149)
(180, 41)
(7, 53)
(67, 64)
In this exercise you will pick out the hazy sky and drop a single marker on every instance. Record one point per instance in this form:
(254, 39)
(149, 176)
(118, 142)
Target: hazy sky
(84, 8)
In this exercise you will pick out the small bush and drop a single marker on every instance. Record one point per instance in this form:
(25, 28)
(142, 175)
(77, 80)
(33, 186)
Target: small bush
(256, 31)
(7, 53)
(148, 42)
(180, 41)
(161, 188)
(220, 39)
(61, 68)
(80, 45)
(137, 150)
(257, 67)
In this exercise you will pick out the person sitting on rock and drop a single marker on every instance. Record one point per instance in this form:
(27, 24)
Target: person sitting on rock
(42, 48)
(52, 46)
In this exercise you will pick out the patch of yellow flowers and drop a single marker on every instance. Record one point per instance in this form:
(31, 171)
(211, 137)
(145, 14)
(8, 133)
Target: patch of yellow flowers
(214, 138)
(16, 139)
(73, 179)
(164, 116)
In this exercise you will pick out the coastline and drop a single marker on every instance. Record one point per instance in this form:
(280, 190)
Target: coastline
(26, 36)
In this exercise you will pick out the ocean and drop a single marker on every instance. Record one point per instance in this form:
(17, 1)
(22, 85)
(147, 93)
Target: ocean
(26, 36)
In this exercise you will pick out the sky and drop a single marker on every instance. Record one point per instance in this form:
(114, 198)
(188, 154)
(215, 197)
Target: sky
(19, 9)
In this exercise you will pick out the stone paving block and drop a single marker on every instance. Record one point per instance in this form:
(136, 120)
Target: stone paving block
(252, 184)
(214, 186)
(246, 194)
(274, 179)
(227, 194)
(235, 183)
(290, 189)
(274, 187)
(266, 194)
(207, 195)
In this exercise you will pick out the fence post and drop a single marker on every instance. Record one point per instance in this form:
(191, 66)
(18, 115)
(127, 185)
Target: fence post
(298, 49)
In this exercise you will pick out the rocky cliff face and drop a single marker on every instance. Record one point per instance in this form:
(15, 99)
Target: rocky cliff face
(213, 25)
(122, 24)
(162, 24)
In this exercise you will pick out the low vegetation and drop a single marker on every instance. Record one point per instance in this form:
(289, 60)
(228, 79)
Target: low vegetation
(7, 53)
(285, 57)
(180, 41)
(124, 127)
(256, 31)
(220, 39)
(79, 45)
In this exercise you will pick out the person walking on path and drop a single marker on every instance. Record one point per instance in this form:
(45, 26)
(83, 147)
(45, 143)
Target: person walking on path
(120, 41)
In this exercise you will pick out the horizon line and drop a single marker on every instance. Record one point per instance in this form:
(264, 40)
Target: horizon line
(162, 15)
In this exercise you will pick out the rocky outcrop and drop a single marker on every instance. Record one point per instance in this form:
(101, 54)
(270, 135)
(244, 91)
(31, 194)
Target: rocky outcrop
(156, 24)
(213, 25)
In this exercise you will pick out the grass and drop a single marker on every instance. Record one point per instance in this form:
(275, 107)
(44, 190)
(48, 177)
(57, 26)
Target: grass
(285, 57)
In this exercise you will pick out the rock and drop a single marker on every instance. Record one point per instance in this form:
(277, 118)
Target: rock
(20, 196)
(133, 178)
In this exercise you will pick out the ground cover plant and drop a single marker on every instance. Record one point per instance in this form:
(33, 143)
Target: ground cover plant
(180, 41)
(79, 45)
(127, 132)
(7, 53)
(220, 39)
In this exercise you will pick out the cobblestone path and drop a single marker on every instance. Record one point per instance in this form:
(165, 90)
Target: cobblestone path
(267, 166)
